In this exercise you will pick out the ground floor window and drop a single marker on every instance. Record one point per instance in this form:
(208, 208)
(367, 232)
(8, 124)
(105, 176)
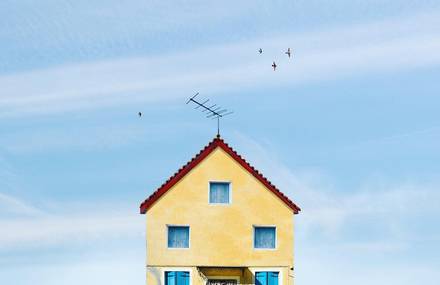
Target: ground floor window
(176, 278)
(266, 278)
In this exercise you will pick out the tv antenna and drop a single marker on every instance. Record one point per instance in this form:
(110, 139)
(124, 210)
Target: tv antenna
(212, 112)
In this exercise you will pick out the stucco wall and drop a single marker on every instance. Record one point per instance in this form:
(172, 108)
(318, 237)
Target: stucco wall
(220, 235)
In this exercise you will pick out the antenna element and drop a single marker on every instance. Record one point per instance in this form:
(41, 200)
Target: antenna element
(214, 111)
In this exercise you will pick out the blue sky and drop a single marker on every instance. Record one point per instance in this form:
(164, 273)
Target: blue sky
(349, 129)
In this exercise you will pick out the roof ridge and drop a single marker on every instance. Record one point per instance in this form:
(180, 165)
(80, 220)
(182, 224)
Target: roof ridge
(216, 142)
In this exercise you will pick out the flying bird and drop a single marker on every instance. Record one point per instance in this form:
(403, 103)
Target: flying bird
(274, 65)
(288, 52)
(140, 114)
(260, 50)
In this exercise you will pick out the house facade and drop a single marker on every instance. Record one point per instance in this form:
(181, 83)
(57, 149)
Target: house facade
(219, 221)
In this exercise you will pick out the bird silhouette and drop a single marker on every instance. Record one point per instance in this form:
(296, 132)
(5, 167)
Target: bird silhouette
(288, 52)
(260, 50)
(274, 65)
(140, 114)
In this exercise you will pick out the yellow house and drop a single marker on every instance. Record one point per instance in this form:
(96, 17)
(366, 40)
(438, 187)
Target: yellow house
(219, 221)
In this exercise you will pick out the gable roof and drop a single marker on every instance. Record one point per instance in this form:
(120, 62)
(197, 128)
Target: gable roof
(217, 142)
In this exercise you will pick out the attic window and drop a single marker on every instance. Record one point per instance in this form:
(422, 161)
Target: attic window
(219, 193)
(264, 237)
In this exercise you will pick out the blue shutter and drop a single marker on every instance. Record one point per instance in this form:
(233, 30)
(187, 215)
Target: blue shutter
(266, 278)
(178, 237)
(177, 278)
(264, 237)
(219, 192)
(170, 278)
(272, 278)
(260, 278)
(182, 278)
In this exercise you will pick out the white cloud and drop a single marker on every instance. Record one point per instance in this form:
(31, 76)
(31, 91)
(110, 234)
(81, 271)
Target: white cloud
(85, 138)
(8, 178)
(10, 205)
(378, 233)
(402, 44)
(340, 269)
(31, 227)
(115, 266)
(65, 229)
(331, 211)
(104, 236)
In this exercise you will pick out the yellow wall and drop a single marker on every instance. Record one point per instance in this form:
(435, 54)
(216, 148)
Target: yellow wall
(220, 235)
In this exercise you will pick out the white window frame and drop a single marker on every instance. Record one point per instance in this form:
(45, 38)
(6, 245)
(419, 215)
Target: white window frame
(209, 193)
(168, 232)
(168, 269)
(268, 269)
(265, 226)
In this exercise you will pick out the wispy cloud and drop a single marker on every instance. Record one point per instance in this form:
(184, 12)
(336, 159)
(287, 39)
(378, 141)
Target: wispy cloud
(115, 266)
(401, 44)
(32, 227)
(85, 138)
(10, 205)
(95, 136)
(380, 230)
(68, 229)
(332, 212)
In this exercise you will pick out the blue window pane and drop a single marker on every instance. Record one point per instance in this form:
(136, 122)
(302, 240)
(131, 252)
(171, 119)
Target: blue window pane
(178, 237)
(266, 278)
(219, 192)
(176, 278)
(264, 237)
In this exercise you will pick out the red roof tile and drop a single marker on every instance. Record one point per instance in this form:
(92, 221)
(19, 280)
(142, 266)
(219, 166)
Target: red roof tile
(217, 142)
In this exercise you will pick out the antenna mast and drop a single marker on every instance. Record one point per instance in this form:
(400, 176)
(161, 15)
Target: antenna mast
(212, 112)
